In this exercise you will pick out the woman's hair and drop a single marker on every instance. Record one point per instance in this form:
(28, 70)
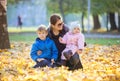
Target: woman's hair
(54, 18)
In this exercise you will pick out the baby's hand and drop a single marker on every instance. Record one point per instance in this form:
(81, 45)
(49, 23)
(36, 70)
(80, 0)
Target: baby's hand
(40, 59)
(39, 52)
(79, 51)
(60, 39)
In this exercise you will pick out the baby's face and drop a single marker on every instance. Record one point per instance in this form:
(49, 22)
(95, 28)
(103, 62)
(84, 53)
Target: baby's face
(76, 30)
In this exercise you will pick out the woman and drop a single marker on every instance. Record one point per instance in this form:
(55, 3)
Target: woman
(58, 29)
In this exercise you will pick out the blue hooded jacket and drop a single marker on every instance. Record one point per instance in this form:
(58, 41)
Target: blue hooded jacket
(48, 48)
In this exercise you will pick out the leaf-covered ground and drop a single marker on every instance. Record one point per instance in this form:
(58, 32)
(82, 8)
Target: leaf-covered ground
(101, 63)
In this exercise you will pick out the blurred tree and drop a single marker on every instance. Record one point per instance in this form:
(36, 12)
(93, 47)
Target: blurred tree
(107, 6)
(112, 21)
(96, 22)
(15, 1)
(83, 9)
(98, 7)
(96, 10)
(58, 6)
(112, 7)
(4, 38)
(68, 6)
(117, 5)
(118, 23)
(61, 9)
(80, 7)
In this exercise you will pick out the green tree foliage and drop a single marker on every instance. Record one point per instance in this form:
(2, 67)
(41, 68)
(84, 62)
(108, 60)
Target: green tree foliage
(75, 6)
(13, 1)
(69, 6)
(16, 1)
(105, 6)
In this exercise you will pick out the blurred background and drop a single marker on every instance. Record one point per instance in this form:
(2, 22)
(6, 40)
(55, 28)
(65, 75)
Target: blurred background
(99, 19)
(101, 15)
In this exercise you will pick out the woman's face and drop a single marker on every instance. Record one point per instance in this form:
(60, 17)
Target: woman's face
(58, 26)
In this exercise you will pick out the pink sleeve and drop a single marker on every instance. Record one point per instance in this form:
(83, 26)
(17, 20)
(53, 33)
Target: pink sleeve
(64, 39)
(81, 41)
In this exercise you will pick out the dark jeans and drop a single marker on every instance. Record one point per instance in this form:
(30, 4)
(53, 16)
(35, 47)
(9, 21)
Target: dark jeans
(73, 63)
(43, 63)
(73, 60)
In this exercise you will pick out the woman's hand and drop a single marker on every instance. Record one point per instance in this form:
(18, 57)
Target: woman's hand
(39, 52)
(79, 51)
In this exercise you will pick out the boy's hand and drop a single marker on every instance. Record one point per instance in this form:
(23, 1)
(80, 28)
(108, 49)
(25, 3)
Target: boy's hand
(39, 52)
(52, 61)
(40, 59)
(79, 51)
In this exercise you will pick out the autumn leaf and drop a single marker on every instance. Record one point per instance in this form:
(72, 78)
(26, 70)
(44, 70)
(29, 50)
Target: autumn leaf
(100, 62)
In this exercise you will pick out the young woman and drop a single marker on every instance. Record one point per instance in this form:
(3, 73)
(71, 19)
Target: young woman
(58, 29)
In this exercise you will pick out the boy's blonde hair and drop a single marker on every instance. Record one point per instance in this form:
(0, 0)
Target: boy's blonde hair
(42, 28)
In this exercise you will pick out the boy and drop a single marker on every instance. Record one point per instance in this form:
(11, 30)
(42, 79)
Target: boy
(43, 51)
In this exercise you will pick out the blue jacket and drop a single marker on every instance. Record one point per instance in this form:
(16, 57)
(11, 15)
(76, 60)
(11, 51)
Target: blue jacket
(48, 48)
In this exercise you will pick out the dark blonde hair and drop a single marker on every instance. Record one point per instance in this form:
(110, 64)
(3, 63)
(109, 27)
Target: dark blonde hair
(42, 28)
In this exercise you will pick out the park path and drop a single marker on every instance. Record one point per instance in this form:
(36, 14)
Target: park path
(99, 35)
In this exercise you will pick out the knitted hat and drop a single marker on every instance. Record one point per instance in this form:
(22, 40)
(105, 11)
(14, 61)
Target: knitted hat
(74, 25)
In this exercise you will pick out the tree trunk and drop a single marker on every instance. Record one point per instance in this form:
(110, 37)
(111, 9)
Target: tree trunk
(4, 38)
(96, 22)
(119, 23)
(82, 22)
(112, 21)
(61, 9)
(107, 18)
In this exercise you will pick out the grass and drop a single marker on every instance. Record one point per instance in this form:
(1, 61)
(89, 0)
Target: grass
(103, 41)
(24, 29)
(22, 37)
(30, 37)
(18, 35)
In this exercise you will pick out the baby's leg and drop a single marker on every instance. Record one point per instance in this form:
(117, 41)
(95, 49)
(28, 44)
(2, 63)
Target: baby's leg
(76, 62)
(68, 54)
(63, 60)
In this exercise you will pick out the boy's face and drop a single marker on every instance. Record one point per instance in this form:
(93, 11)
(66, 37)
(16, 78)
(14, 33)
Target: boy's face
(42, 35)
(76, 30)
